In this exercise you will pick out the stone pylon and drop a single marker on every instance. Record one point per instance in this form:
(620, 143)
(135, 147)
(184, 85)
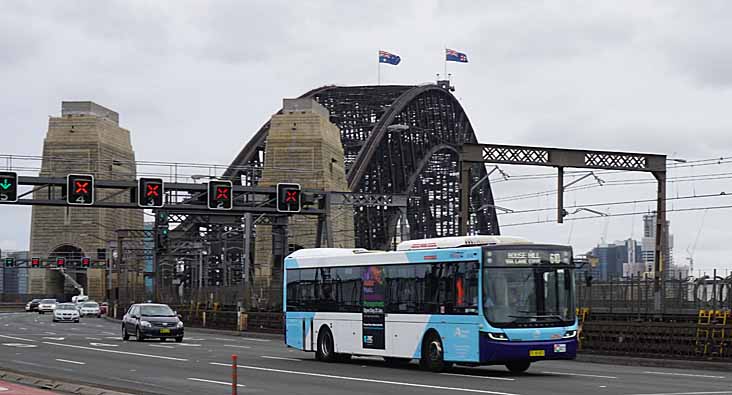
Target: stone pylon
(85, 139)
(303, 147)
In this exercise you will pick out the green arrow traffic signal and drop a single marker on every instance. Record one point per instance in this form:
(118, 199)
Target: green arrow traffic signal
(8, 187)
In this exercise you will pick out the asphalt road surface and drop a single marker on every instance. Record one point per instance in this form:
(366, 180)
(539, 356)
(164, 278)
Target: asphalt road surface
(92, 352)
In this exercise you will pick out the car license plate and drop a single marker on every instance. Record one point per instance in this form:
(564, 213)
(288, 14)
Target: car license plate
(168, 331)
(536, 353)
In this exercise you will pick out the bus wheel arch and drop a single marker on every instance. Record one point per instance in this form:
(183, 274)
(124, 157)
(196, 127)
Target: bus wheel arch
(432, 356)
(325, 350)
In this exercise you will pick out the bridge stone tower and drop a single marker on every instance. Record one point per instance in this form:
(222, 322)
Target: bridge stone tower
(303, 147)
(85, 139)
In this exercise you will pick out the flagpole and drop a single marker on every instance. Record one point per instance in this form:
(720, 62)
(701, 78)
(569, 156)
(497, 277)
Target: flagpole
(444, 56)
(378, 73)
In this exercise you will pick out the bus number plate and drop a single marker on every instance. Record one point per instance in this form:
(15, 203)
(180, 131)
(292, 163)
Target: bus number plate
(536, 353)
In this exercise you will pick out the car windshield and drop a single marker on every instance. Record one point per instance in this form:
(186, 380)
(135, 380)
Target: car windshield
(48, 301)
(156, 311)
(528, 288)
(66, 307)
(90, 305)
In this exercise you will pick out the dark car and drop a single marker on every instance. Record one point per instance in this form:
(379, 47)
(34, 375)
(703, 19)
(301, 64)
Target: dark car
(150, 320)
(32, 305)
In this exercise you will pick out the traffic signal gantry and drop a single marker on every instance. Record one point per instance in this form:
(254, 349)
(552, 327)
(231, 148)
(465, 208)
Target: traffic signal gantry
(8, 187)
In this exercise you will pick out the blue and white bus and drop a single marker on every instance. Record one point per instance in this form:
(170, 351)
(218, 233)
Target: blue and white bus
(474, 300)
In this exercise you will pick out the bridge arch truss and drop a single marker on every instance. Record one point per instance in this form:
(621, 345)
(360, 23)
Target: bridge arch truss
(397, 140)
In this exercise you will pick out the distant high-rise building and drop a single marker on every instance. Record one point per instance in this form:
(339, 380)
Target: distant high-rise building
(617, 259)
(14, 280)
(649, 245)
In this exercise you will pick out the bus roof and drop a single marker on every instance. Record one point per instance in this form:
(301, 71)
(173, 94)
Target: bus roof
(459, 241)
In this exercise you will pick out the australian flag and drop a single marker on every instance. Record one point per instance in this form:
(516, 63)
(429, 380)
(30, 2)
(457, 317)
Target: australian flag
(454, 56)
(386, 57)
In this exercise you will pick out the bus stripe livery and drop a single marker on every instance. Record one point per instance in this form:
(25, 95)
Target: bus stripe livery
(474, 300)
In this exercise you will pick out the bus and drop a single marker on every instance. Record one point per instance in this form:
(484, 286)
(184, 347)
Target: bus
(473, 300)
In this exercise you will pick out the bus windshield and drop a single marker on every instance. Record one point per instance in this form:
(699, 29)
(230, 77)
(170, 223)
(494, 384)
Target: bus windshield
(524, 288)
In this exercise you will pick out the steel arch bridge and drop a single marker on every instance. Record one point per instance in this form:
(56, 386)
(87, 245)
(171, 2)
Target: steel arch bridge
(397, 139)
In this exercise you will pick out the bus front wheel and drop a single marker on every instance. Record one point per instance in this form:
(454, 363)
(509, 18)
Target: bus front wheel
(326, 348)
(432, 354)
(518, 366)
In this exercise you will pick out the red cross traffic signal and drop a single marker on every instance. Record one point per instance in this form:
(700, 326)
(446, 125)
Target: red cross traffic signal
(289, 198)
(80, 189)
(150, 192)
(220, 195)
(35, 262)
(85, 262)
(60, 262)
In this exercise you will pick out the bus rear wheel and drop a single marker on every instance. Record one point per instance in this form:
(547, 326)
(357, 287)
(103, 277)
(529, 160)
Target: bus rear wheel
(326, 348)
(432, 354)
(518, 366)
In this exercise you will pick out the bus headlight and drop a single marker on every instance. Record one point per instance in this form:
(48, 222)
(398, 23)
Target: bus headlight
(500, 336)
(569, 334)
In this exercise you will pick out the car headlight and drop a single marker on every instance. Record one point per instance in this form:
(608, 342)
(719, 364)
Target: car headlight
(500, 336)
(569, 334)
(146, 324)
(180, 324)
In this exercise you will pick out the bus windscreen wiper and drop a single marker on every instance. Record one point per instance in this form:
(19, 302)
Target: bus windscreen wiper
(538, 316)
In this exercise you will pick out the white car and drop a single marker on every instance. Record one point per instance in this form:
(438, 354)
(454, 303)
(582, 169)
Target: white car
(46, 306)
(90, 309)
(66, 312)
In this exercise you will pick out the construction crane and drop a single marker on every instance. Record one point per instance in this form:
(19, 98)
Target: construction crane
(692, 249)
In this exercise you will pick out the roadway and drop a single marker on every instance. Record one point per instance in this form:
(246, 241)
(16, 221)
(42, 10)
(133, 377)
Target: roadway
(93, 353)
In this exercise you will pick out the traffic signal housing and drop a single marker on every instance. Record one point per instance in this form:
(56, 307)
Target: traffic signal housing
(9, 262)
(85, 262)
(8, 187)
(220, 195)
(60, 262)
(150, 192)
(35, 262)
(80, 189)
(289, 198)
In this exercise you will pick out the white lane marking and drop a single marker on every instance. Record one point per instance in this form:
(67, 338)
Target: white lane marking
(117, 352)
(280, 358)
(189, 345)
(50, 333)
(196, 338)
(160, 346)
(19, 345)
(53, 338)
(23, 329)
(17, 338)
(107, 333)
(398, 383)
(92, 338)
(214, 382)
(685, 375)
(3, 389)
(103, 345)
(479, 377)
(235, 346)
(580, 375)
(112, 337)
(255, 340)
(688, 393)
(69, 361)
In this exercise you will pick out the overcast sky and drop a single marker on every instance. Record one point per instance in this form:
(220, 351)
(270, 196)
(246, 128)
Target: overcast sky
(194, 80)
